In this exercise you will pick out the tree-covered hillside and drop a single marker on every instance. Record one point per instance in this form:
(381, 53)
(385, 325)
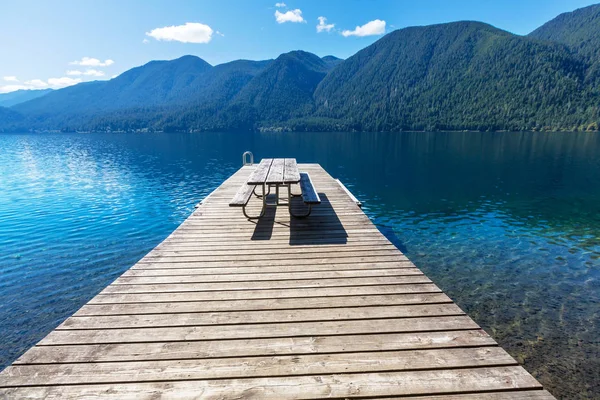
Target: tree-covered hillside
(463, 75)
(580, 31)
(20, 96)
(456, 76)
(10, 119)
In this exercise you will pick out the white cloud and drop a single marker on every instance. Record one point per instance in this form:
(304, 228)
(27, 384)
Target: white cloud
(220, 34)
(57, 83)
(191, 32)
(323, 26)
(11, 79)
(375, 27)
(12, 88)
(89, 72)
(92, 62)
(280, 5)
(93, 72)
(289, 16)
(145, 41)
(36, 84)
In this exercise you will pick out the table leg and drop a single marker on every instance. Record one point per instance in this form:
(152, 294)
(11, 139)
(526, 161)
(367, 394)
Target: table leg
(260, 196)
(264, 204)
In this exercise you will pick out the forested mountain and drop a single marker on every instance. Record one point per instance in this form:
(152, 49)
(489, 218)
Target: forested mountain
(21, 96)
(580, 31)
(153, 84)
(9, 118)
(292, 77)
(455, 76)
(465, 75)
(332, 61)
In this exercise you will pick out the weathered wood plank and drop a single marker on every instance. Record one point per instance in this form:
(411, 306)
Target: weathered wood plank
(506, 395)
(306, 387)
(258, 316)
(275, 175)
(148, 280)
(261, 304)
(198, 350)
(247, 367)
(266, 285)
(201, 269)
(181, 262)
(250, 331)
(176, 256)
(291, 173)
(259, 175)
(309, 192)
(173, 252)
(298, 293)
(242, 196)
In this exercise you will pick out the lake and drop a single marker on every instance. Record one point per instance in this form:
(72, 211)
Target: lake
(508, 224)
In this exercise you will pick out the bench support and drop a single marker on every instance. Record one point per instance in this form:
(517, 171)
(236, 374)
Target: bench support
(264, 203)
(262, 213)
(290, 195)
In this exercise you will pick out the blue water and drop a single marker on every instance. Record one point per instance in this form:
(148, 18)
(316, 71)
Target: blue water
(508, 224)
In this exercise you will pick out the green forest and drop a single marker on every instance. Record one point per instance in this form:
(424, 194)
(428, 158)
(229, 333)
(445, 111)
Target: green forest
(456, 76)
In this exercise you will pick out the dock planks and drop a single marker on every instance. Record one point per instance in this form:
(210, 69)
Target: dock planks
(323, 307)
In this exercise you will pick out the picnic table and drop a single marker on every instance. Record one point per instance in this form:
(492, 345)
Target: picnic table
(276, 172)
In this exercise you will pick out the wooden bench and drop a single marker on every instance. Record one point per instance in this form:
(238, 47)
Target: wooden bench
(242, 197)
(309, 194)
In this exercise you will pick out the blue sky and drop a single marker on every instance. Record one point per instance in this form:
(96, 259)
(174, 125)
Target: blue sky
(43, 43)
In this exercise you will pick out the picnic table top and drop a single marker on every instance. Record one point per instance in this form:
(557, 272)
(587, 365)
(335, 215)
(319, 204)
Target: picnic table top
(275, 171)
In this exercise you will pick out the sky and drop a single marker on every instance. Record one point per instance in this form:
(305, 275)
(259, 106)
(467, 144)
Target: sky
(55, 44)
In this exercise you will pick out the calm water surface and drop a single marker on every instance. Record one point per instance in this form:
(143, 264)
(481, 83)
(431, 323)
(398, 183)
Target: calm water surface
(508, 224)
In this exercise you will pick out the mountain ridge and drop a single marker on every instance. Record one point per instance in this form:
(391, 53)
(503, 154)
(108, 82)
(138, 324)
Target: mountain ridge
(20, 96)
(464, 75)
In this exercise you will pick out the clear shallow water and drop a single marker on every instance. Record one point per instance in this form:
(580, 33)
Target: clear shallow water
(508, 224)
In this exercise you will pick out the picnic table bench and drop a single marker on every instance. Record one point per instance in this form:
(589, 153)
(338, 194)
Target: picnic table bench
(276, 172)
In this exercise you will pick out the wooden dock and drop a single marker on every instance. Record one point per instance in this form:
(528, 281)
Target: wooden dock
(322, 307)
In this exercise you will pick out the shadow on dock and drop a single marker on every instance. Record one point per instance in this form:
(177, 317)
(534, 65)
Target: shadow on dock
(264, 225)
(321, 227)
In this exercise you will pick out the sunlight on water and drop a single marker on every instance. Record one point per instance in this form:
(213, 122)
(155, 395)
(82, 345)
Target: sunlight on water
(508, 224)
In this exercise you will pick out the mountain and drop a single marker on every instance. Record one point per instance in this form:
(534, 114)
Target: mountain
(285, 88)
(21, 96)
(11, 120)
(580, 31)
(279, 90)
(153, 84)
(144, 93)
(331, 61)
(461, 75)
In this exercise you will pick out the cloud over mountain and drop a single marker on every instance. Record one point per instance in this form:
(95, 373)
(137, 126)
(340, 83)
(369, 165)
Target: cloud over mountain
(375, 27)
(190, 32)
(92, 62)
(323, 26)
